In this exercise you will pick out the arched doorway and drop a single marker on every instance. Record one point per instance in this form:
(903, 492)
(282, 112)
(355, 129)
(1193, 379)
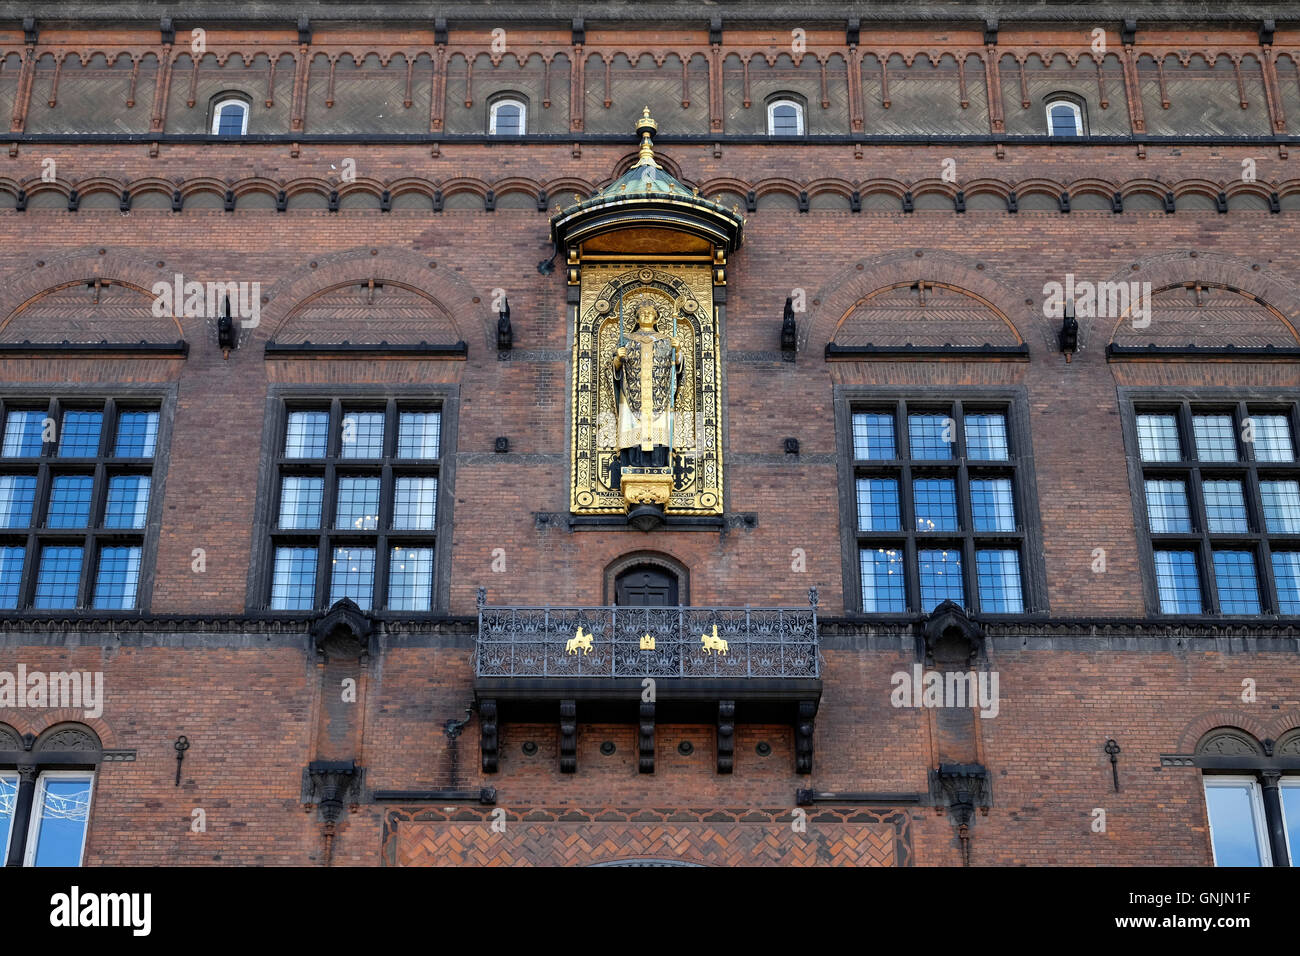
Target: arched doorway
(646, 585)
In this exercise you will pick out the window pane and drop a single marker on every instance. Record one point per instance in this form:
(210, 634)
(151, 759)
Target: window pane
(1167, 511)
(785, 120)
(1225, 507)
(930, 436)
(79, 437)
(8, 802)
(363, 435)
(878, 504)
(1286, 572)
(935, 500)
(998, 573)
(293, 584)
(1232, 825)
(986, 437)
(1064, 122)
(61, 820)
(1290, 793)
(23, 434)
(300, 502)
(1281, 506)
(991, 505)
(1234, 574)
(509, 119)
(883, 591)
(11, 574)
(353, 576)
(1158, 438)
(232, 120)
(1272, 438)
(873, 437)
(1215, 438)
(70, 501)
(418, 434)
(414, 503)
(17, 495)
(1178, 582)
(358, 504)
(58, 577)
(940, 574)
(119, 575)
(306, 434)
(137, 434)
(128, 501)
(410, 579)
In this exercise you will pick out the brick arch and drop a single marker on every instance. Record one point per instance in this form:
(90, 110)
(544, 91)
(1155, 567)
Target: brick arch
(26, 285)
(658, 559)
(448, 292)
(1174, 269)
(1196, 730)
(857, 282)
(39, 725)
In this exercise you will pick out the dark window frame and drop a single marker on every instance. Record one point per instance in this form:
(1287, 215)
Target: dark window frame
(957, 401)
(103, 466)
(1184, 404)
(281, 400)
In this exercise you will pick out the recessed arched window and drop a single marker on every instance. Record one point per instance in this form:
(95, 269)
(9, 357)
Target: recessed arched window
(1064, 118)
(230, 117)
(784, 117)
(508, 116)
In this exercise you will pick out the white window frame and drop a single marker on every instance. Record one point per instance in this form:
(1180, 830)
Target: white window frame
(798, 115)
(4, 847)
(1292, 840)
(508, 101)
(1074, 107)
(221, 105)
(1257, 811)
(38, 811)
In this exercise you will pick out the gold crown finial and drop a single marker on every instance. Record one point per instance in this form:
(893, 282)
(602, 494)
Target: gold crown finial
(647, 127)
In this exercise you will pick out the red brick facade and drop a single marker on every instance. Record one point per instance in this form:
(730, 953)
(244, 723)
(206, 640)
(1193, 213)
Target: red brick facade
(256, 699)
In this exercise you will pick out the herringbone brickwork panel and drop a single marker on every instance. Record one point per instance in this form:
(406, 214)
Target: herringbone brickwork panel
(708, 838)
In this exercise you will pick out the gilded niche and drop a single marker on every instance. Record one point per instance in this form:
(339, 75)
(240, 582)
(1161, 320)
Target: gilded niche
(646, 397)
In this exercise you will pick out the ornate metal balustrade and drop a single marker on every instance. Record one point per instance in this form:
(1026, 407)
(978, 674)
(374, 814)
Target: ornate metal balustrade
(659, 642)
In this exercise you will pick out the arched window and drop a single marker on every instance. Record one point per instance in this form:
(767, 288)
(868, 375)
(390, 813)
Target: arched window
(230, 117)
(784, 118)
(1064, 118)
(508, 116)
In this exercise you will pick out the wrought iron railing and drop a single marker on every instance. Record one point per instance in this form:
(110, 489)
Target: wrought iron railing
(660, 642)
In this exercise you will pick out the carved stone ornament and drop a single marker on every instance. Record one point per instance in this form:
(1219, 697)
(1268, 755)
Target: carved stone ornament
(343, 632)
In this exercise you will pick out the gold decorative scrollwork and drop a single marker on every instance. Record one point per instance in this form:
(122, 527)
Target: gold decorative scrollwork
(682, 299)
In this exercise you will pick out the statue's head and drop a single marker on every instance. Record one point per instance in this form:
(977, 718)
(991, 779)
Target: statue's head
(646, 316)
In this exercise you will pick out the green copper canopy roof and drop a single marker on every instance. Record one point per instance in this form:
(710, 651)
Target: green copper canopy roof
(647, 194)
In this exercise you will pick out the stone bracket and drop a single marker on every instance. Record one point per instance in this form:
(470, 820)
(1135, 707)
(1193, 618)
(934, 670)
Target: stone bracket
(568, 736)
(646, 738)
(489, 741)
(726, 735)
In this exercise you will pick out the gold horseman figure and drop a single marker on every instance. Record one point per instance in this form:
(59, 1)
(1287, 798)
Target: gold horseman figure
(713, 643)
(647, 367)
(579, 642)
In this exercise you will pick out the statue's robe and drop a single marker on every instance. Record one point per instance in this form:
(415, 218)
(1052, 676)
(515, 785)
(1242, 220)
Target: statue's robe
(646, 387)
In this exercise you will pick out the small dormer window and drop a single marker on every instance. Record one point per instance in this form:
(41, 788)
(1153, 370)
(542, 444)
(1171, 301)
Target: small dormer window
(507, 117)
(1064, 118)
(784, 118)
(230, 118)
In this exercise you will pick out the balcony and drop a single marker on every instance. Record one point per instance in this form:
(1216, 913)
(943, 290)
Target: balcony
(646, 664)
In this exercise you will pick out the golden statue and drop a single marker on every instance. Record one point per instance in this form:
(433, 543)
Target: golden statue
(646, 369)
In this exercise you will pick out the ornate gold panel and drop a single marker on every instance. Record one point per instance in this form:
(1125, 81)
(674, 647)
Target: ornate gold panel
(682, 296)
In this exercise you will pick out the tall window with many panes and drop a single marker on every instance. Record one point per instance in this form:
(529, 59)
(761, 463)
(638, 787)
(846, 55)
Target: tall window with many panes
(1219, 501)
(355, 506)
(941, 506)
(77, 479)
